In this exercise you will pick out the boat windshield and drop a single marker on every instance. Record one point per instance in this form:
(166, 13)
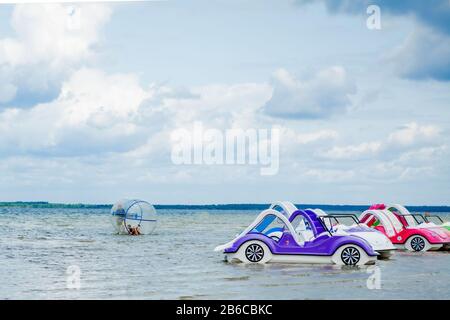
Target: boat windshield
(271, 226)
(419, 218)
(411, 220)
(435, 219)
(303, 228)
(331, 221)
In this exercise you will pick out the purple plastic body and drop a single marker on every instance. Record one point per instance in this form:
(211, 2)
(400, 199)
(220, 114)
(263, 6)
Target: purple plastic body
(323, 244)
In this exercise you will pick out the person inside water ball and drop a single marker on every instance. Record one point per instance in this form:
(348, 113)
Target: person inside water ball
(134, 231)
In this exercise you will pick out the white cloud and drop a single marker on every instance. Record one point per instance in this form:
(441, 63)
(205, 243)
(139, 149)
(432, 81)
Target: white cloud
(409, 137)
(394, 172)
(99, 100)
(295, 144)
(47, 47)
(94, 113)
(44, 34)
(97, 113)
(305, 138)
(330, 175)
(413, 134)
(362, 150)
(423, 155)
(326, 93)
(222, 106)
(425, 54)
(109, 127)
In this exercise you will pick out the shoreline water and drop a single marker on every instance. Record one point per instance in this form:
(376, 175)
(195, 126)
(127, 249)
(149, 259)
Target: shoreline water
(178, 261)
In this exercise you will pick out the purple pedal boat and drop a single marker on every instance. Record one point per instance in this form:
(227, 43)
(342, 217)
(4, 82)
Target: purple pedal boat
(274, 238)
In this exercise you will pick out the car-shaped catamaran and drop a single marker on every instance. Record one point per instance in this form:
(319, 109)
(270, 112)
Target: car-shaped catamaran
(404, 236)
(417, 220)
(272, 237)
(337, 224)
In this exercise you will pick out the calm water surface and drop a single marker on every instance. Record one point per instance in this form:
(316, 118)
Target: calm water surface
(177, 262)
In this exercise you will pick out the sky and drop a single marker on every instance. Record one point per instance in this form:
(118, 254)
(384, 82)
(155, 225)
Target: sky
(90, 95)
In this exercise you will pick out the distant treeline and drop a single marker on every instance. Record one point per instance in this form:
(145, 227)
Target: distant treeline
(48, 205)
(325, 207)
(240, 206)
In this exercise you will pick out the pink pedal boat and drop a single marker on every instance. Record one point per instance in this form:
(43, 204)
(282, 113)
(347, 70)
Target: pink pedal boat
(404, 230)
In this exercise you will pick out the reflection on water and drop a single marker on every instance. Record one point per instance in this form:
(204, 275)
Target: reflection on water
(178, 262)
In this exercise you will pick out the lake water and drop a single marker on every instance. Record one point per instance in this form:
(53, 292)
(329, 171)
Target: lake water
(38, 246)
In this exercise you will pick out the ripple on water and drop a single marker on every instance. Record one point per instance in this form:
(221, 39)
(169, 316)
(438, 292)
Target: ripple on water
(178, 262)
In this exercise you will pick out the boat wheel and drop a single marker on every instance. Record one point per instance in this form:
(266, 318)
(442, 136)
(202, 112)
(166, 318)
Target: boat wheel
(417, 243)
(254, 252)
(350, 256)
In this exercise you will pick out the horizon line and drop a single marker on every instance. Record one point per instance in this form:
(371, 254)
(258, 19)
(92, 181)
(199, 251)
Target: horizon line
(205, 204)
